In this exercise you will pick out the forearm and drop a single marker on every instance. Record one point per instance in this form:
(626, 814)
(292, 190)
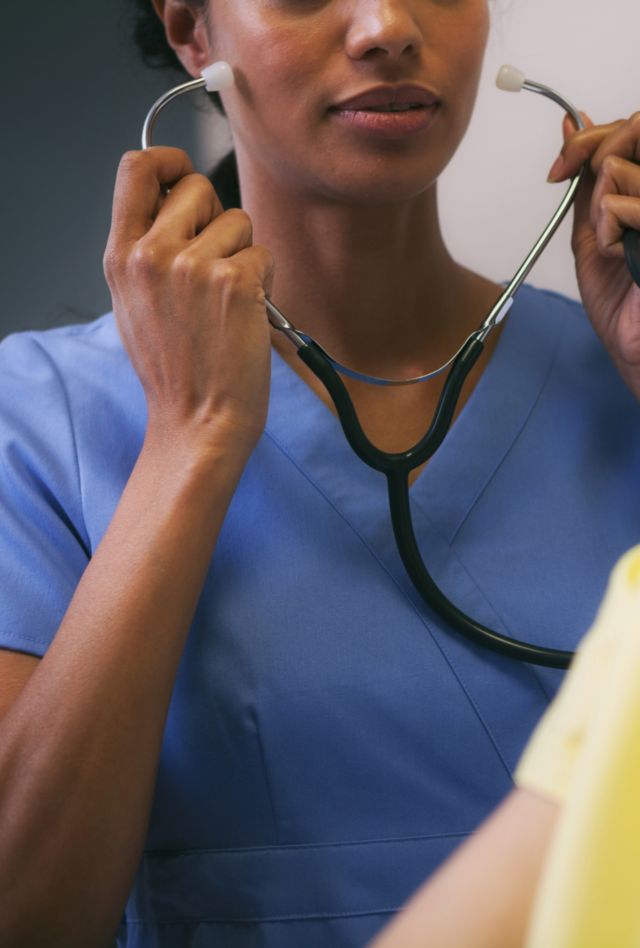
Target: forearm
(80, 746)
(483, 894)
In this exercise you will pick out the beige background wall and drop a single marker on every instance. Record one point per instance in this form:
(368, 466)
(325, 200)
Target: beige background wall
(73, 97)
(494, 197)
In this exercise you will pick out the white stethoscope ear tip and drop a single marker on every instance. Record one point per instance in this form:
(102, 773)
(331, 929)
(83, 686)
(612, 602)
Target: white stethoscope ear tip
(218, 76)
(510, 79)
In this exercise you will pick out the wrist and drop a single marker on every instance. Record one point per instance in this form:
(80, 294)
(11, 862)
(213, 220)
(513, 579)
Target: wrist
(189, 477)
(202, 443)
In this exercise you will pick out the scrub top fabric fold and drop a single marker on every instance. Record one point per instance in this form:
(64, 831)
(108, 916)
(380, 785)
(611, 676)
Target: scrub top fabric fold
(329, 742)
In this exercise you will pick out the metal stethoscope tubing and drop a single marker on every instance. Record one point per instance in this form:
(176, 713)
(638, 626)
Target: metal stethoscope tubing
(397, 466)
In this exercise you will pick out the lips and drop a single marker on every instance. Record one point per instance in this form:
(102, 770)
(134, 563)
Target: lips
(388, 98)
(388, 112)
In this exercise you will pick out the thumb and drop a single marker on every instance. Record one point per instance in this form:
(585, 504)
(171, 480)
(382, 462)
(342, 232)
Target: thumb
(569, 126)
(582, 228)
(582, 206)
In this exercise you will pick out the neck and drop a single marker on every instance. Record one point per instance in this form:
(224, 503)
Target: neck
(374, 285)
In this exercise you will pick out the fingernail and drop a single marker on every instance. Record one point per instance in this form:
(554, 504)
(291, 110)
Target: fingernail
(556, 170)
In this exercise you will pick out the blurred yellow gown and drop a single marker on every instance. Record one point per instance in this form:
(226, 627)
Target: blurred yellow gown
(586, 754)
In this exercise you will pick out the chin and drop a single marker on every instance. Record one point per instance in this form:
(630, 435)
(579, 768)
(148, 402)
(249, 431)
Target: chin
(393, 174)
(375, 187)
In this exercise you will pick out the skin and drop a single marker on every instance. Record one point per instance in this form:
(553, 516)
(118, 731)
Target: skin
(308, 175)
(607, 205)
(342, 190)
(482, 896)
(188, 284)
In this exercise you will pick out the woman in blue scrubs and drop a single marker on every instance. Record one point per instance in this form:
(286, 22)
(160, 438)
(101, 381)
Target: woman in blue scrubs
(227, 719)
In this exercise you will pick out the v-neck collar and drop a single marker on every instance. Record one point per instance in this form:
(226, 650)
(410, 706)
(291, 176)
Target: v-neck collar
(493, 417)
(478, 441)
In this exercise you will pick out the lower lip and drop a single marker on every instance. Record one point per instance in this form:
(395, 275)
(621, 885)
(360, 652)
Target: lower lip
(388, 124)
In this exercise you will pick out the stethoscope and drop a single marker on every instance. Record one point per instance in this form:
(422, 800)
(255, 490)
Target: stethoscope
(397, 467)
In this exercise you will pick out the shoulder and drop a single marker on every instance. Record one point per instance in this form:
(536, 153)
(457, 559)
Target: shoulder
(545, 309)
(26, 356)
(69, 401)
(580, 364)
(23, 352)
(63, 364)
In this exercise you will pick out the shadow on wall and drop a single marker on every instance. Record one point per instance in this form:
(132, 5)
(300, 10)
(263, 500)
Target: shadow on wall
(80, 102)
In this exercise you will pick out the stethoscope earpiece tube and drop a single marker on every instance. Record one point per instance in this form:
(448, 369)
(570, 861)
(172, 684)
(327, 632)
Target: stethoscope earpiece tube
(631, 241)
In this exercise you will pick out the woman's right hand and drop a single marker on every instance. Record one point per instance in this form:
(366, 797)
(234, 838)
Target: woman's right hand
(188, 291)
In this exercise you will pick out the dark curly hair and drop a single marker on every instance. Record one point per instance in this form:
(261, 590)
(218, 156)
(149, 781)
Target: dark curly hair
(150, 38)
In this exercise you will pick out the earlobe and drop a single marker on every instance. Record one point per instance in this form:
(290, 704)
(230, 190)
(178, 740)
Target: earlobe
(186, 31)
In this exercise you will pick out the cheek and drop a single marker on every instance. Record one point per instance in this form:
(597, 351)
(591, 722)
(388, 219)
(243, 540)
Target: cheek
(285, 68)
(465, 67)
(277, 85)
(272, 57)
(471, 41)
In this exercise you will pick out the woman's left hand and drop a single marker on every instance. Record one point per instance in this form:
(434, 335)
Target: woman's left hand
(607, 204)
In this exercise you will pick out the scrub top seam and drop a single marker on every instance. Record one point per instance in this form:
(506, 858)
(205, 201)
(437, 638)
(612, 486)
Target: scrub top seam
(259, 920)
(296, 847)
(516, 436)
(506, 629)
(455, 555)
(485, 486)
(267, 777)
(85, 540)
(484, 594)
(23, 637)
(405, 596)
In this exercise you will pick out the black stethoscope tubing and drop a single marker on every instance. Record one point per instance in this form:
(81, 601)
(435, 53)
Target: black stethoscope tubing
(396, 467)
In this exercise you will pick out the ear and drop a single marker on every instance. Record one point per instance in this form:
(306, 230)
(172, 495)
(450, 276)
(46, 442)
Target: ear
(186, 29)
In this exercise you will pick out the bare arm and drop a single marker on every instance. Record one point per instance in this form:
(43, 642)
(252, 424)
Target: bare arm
(79, 746)
(483, 894)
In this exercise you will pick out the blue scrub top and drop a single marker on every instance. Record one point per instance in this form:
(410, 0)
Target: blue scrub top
(328, 741)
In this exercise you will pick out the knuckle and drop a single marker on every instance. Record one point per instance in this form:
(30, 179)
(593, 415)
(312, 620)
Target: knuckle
(268, 260)
(243, 222)
(634, 121)
(604, 246)
(202, 182)
(601, 239)
(606, 234)
(147, 259)
(112, 262)
(186, 269)
(227, 277)
(610, 166)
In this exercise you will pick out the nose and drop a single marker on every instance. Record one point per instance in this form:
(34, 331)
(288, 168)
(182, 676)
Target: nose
(383, 29)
